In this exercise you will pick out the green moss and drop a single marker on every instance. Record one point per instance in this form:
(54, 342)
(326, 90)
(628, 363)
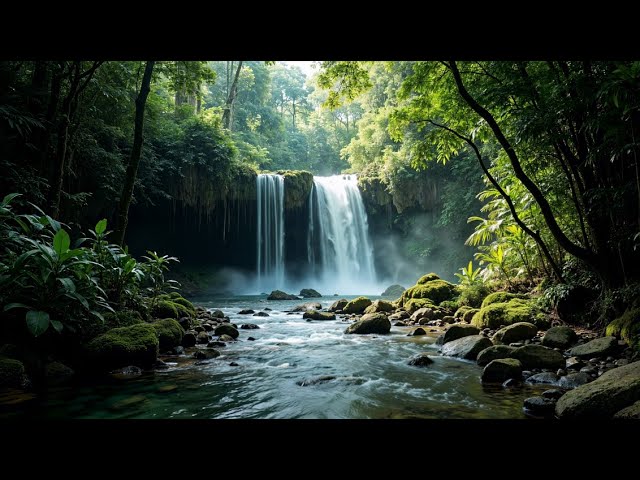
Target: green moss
(92, 326)
(468, 315)
(119, 347)
(500, 297)
(435, 290)
(357, 305)
(414, 304)
(11, 372)
(461, 311)
(627, 327)
(451, 305)
(505, 313)
(169, 333)
(429, 277)
(185, 303)
(472, 295)
(297, 187)
(164, 309)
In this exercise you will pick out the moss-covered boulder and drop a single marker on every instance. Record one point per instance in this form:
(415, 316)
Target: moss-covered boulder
(370, 323)
(379, 306)
(309, 293)
(315, 315)
(515, 333)
(457, 331)
(338, 305)
(466, 347)
(429, 277)
(537, 356)
(499, 370)
(629, 413)
(169, 333)
(11, 372)
(598, 347)
(559, 337)
(135, 345)
(414, 304)
(226, 329)
(393, 291)
(459, 313)
(92, 326)
(611, 392)
(507, 313)
(176, 308)
(280, 295)
(58, 373)
(297, 187)
(501, 297)
(357, 305)
(435, 290)
(468, 315)
(627, 327)
(493, 353)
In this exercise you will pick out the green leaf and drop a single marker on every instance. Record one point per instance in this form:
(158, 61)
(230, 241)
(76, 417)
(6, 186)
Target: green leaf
(61, 242)
(11, 306)
(8, 198)
(101, 226)
(57, 325)
(68, 284)
(37, 322)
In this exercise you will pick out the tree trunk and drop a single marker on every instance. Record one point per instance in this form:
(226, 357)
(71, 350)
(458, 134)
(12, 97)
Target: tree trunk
(136, 151)
(227, 116)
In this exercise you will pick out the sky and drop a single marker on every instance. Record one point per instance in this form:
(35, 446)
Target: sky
(306, 67)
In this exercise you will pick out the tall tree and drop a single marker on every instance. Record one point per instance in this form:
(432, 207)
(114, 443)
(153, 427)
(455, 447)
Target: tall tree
(136, 151)
(227, 116)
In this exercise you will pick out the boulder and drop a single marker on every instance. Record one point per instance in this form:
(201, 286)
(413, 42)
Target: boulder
(515, 333)
(434, 290)
(398, 316)
(227, 330)
(559, 337)
(189, 340)
(135, 345)
(309, 293)
(574, 380)
(202, 337)
(246, 311)
(631, 412)
(370, 323)
(393, 291)
(303, 307)
(502, 369)
(261, 314)
(357, 305)
(249, 326)
(544, 378)
(421, 313)
(468, 315)
(339, 305)
(627, 327)
(493, 353)
(537, 356)
(379, 306)
(457, 331)
(58, 373)
(207, 354)
(418, 331)
(539, 406)
(599, 347)
(280, 295)
(429, 277)
(608, 394)
(420, 360)
(503, 313)
(466, 347)
(217, 313)
(11, 372)
(169, 333)
(500, 297)
(315, 315)
(226, 338)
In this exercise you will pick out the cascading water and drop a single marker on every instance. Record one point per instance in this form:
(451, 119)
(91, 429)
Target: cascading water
(270, 232)
(339, 230)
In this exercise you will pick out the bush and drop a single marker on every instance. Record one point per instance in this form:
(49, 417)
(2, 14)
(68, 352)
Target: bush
(473, 295)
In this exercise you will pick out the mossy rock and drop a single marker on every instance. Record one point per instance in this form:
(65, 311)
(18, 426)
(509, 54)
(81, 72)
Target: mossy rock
(297, 187)
(357, 305)
(515, 333)
(185, 303)
(338, 305)
(435, 290)
(169, 333)
(417, 303)
(379, 306)
(164, 309)
(370, 323)
(461, 311)
(429, 277)
(450, 305)
(123, 346)
(226, 329)
(11, 372)
(468, 315)
(507, 313)
(501, 297)
(309, 293)
(393, 291)
(315, 315)
(92, 327)
(627, 327)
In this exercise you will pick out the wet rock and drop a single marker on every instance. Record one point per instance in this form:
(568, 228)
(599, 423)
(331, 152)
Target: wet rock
(516, 344)
(226, 338)
(559, 337)
(160, 365)
(261, 314)
(500, 370)
(130, 402)
(247, 311)
(315, 315)
(198, 329)
(574, 380)
(127, 372)
(58, 373)
(574, 363)
(420, 360)
(370, 323)
(448, 319)
(280, 295)
(266, 309)
(234, 364)
(249, 326)
(399, 324)
(600, 347)
(338, 305)
(207, 327)
(134, 345)
(206, 354)
(185, 322)
(217, 314)
(493, 353)
(561, 372)
(203, 337)
(215, 344)
(553, 393)
(539, 406)
(251, 339)
(167, 388)
(631, 412)
(309, 293)
(399, 316)
(189, 340)
(537, 356)
(457, 331)
(526, 373)
(622, 362)
(303, 307)
(379, 306)
(467, 347)
(511, 382)
(179, 350)
(544, 377)
(589, 370)
(357, 305)
(316, 381)
(613, 391)
(422, 313)
(227, 330)
(515, 333)
(418, 331)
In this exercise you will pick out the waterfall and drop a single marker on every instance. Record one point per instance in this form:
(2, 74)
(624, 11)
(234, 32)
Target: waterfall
(270, 232)
(339, 229)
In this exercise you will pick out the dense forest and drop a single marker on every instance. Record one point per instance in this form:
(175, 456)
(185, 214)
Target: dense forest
(124, 180)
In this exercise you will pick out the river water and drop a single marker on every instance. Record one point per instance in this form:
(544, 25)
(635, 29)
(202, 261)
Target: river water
(366, 376)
